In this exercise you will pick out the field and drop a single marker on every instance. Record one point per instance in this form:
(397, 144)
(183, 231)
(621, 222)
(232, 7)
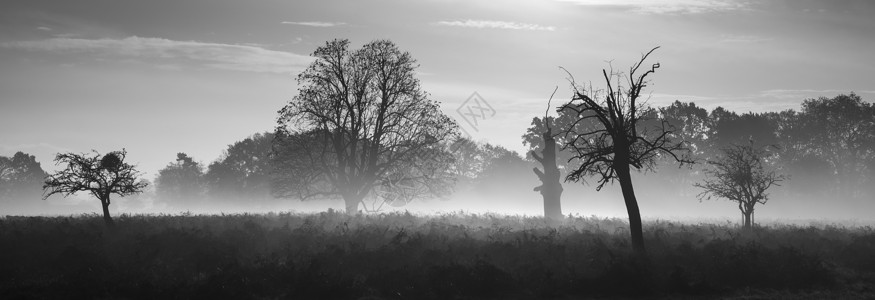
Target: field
(403, 256)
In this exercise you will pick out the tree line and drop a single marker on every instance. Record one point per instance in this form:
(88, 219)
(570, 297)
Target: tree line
(361, 129)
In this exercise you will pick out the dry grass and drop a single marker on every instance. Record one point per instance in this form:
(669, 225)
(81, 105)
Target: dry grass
(403, 256)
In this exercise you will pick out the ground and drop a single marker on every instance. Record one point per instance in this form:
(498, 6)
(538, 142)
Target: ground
(403, 256)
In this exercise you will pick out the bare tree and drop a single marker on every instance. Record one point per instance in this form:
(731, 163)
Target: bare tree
(551, 187)
(99, 175)
(740, 175)
(621, 137)
(361, 123)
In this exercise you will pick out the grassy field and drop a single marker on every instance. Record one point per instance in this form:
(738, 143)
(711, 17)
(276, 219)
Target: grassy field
(402, 256)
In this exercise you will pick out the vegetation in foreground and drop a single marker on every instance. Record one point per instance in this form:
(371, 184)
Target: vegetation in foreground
(402, 256)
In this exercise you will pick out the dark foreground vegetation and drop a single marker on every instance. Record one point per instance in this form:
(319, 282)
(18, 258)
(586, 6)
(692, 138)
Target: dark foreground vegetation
(402, 256)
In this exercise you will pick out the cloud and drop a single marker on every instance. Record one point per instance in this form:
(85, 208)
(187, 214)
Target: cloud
(315, 24)
(30, 147)
(214, 55)
(744, 39)
(44, 28)
(481, 24)
(665, 6)
(808, 93)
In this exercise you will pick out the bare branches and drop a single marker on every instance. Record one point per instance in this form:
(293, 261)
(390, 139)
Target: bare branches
(370, 115)
(740, 175)
(99, 175)
(92, 174)
(620, 136)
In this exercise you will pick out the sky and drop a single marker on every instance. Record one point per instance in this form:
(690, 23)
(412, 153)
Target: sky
(165, 76)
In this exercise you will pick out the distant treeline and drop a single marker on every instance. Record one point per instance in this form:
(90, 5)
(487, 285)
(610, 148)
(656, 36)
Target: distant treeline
(827, 147)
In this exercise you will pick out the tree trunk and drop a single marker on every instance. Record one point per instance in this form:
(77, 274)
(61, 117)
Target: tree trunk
(551, 187)
(631, 208)
(106, 217)
(747, 220)
(352, 204)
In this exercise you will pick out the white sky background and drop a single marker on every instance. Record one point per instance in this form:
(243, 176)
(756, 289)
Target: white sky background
(165, 76)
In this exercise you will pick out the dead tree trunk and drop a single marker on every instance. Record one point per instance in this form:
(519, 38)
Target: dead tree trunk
(635, 225)
(551, 187)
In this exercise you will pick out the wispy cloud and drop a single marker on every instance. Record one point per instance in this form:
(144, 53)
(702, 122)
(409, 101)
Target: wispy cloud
(481, 24)
(744, 39)
(808, 93)
(315, 24)
(215, 55)
(666, 6)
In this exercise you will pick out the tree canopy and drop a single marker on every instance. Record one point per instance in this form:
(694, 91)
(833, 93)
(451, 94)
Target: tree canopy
(361, 122)
(243, 172)
(742, 174)
(21, 177)
(181, 182)
(99, 175)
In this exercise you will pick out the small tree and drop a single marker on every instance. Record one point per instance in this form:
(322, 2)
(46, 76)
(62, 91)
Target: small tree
(740, 175)
(180, 182)
(242, 173)
(99, 175)
(618, 137)
(21, 177)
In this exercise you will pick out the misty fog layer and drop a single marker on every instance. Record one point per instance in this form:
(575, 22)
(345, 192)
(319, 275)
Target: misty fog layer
(501, 181)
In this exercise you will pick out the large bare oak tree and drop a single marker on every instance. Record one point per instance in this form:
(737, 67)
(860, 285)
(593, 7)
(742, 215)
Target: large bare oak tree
(361, 126)
(619, 136)
(100, 175)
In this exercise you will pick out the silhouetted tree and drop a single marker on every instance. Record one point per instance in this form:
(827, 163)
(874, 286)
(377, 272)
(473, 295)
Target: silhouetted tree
(728, 128)
(180, 182)
(622, 138)
(534, 139)
(99, 175)
(243, 172)
(483, 168)
(360, 121)
(840, 133)
(690, 123)
(21, 177)
(550, 188)
(741, 175)
(501, 168)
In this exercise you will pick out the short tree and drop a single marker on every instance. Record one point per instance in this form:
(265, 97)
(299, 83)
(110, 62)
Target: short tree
(180, 182)
(21, 177)
(243, 173)
(100, 175)
(618, 136)
(740, 175)
(360, 123)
